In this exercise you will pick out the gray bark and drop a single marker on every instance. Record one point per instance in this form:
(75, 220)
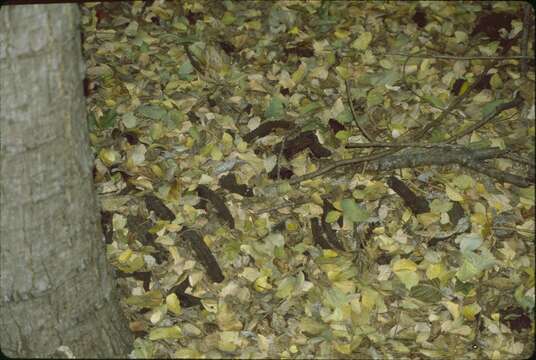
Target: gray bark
(56, 286)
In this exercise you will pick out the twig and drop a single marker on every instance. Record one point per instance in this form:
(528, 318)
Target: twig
(500, 108)
(349, 97)
(396, 145)
(277, 167)
(497, 174)
(519, 159)
(456, 101)
(513, 229)
(452, 57)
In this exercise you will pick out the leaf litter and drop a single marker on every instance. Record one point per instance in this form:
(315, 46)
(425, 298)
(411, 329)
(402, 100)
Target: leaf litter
(199, 114)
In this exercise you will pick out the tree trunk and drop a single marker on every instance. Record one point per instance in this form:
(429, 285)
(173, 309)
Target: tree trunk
(56, 286)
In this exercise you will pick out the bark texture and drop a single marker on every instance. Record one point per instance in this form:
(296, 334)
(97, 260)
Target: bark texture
(56, 286)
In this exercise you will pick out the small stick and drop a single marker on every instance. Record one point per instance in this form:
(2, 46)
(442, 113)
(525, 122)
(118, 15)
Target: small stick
(452, 57)
(348, 95)
(396, 145)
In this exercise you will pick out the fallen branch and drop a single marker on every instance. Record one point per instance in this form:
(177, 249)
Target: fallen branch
(453, 57)
(411, 158)
(395, 145)
(498, 174)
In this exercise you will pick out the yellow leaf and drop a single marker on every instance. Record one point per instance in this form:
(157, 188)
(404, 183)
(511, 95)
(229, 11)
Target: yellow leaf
(453, 194)
(292, 226)
(368, 299)
(299, 73)
(428, 219)
(464, 87)
(341, 34)
(453, 308)
(470, 311)
(125, 255)
(227, 139)
(337, 205)
(403, 265)
(342, 348)
(262, 284)
(363, 41)
(142, 182)
(250, 273)
(216, 153)
(150, 299)
(317, 199)
(109, 156)
(172, 332)
(333, 216)
(346, 286)
(228, 341)
(436, 271)
(294, 31)
(227, 320)
(157, 170)
(173, 304)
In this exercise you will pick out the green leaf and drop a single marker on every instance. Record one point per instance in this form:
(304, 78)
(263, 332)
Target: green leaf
(464, 182)
(227, 18)
(363, 41)
(408, 278)
(527, 302)
(437, 102)
(92, 122)
(107, 121)
(344, 116)
(438, 206)
(152, 111)
(185, 69)
(474, 264)
(374, 97)
(490, 107)
(354, 212)
(343, 135)
(310, 108)
(194, 133)
(286, 287)
(143, 349)
(275, 109)
(129, 120)
(426, 293)
(176, 117)
(469, 242)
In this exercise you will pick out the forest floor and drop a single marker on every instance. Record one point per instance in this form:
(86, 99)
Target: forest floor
(317, 179)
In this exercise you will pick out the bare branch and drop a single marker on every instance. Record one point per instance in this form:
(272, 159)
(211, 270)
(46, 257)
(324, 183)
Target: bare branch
(497, 174)
(452, 57)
